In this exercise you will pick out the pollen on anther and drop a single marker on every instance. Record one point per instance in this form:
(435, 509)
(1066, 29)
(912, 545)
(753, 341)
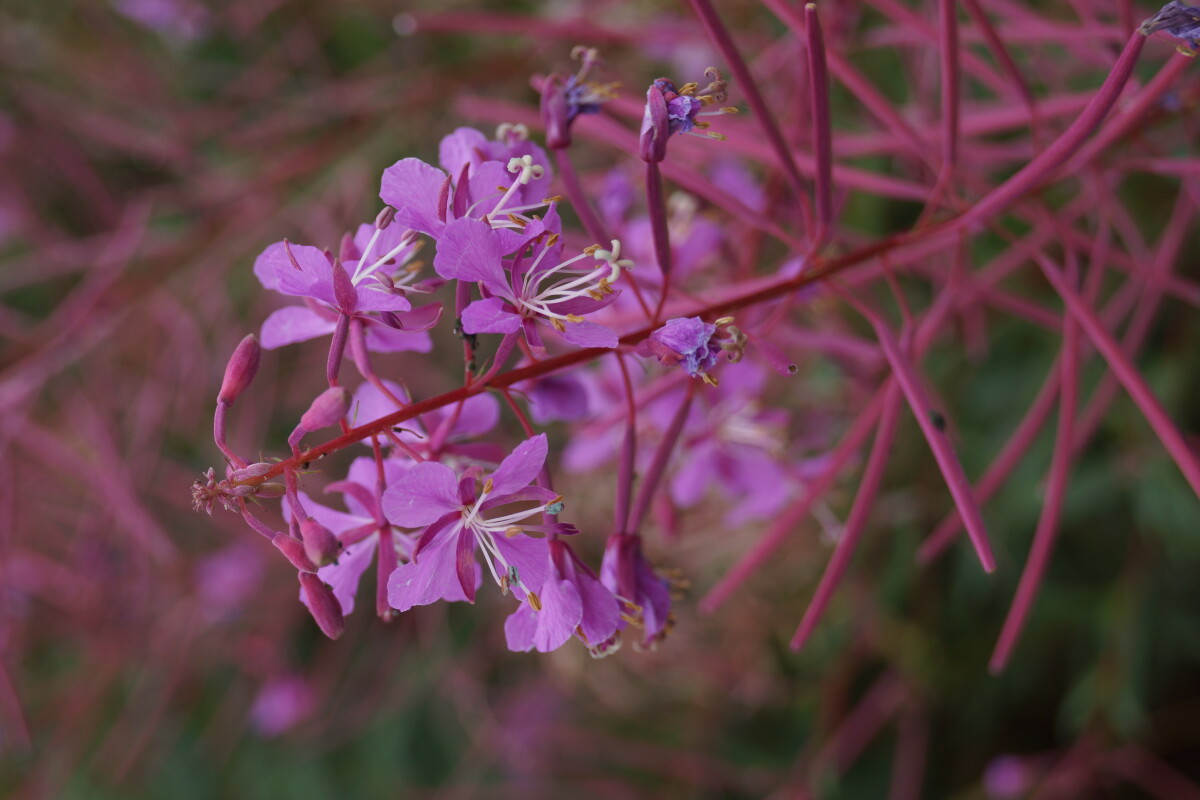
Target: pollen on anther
(534, 601)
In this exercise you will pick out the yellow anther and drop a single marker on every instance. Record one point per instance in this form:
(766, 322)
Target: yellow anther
(729, 110)
(512, 530)
(688, 89)
(535, 602)
(720, 137)
(487, 487)
(574, 318)
(558, 326)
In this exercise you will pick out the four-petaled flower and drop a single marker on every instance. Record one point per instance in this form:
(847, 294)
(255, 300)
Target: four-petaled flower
(452, 514)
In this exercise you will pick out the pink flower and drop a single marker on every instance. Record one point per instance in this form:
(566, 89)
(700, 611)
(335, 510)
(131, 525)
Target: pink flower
(573, 602)
(443, 566)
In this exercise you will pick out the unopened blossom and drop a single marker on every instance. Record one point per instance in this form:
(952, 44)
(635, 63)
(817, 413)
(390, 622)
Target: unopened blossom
(453, 516)
(540, 288)
(574, 603)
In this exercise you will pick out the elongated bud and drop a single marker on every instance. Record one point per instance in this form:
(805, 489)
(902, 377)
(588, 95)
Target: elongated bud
(343, 289)
(251, 474)
(555, 116)
(293, 550)
(240, 370)
(655, 126)
(323, 606)
(328, 409)
(320, 545)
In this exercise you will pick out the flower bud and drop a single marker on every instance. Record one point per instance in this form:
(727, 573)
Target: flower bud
(320, 545)
(293, 550)
(240, 370)
(251, 474)
(328, 409)
(555, 113)
(323, 606)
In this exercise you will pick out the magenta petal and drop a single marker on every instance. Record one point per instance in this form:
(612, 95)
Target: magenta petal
(293, 324)
(425, 493)
(376, 298)
(463, 146)
(480, 413)
(430, 577)
(530, 556)
(469, 251)
(520, 468)
(589, 334)
(343, 576)
(561, 613)
(334, 520)
(421, 319)
(371, 404)
(489, 316)
(412, 187)
(519, 629)
(381, 339)
(601, 613)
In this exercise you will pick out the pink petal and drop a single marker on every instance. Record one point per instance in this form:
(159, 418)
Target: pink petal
(344, 575)
(432, 576)
(468, 250)
(412, 187)
(293, 324)
(489, 316)
(589, 334)
(520, 468)
(425, 493)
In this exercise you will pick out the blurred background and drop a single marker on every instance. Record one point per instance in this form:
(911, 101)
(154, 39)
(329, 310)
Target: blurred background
(150, 149)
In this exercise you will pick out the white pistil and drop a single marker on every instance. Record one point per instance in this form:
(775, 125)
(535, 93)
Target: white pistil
(526, 171)
(593, 283)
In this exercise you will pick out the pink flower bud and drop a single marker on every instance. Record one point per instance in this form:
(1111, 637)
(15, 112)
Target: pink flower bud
(323, 606)
(321, 546)
(385, 217)
(240, 369)
(293, 550)
(248, 474)
(328, 409)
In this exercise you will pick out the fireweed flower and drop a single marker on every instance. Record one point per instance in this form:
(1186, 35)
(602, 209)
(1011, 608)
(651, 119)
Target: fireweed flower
(374, 297)
(439, 434)
(564, 99)
(1179, 20)
(360, 529)
(574, 603)
(734, 447)
(645, 598)
(501, 182)
(451, 513)
(677, 111)
(695, 345)
(538, 288)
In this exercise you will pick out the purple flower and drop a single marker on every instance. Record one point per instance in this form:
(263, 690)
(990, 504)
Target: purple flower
(281, 703)
(451, 512)
(670, 110)
(360, 529)
(1182, 22)
(685, 341)
(440, 433)
(538, 288)
(426, 198)
(645, 598)
(369, 295)
(573, 602)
